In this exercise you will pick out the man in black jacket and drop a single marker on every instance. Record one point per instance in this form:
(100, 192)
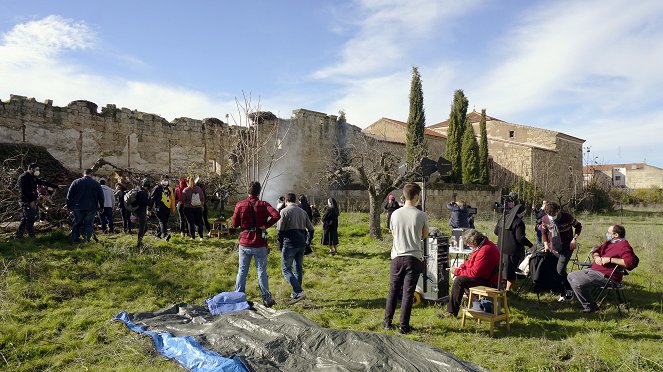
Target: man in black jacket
(84, 197)
(161, 200)
(142, 202)
(27, 183)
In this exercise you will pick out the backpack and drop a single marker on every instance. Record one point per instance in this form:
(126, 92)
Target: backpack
(165, 196)
(130, 202)
(195, 199)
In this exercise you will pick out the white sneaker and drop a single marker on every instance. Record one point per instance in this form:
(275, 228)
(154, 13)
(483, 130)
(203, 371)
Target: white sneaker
(567, 296)
(201, 239)
(297, 297)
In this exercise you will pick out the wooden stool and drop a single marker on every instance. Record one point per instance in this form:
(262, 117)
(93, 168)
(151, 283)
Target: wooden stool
(219, 227)
(499, 303)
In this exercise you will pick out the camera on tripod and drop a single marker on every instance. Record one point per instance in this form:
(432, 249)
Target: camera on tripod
(510, 197)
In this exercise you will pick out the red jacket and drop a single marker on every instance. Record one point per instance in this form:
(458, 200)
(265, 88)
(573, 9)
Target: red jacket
(482, 264)
(620, 249)
(262, 214)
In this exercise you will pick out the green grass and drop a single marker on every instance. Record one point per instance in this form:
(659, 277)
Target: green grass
(56, 301)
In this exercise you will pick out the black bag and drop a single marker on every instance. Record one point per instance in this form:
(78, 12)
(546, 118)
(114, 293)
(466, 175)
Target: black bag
(543, 269)
(483, 304)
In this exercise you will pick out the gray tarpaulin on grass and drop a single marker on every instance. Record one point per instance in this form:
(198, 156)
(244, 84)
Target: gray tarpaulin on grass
(282, 340)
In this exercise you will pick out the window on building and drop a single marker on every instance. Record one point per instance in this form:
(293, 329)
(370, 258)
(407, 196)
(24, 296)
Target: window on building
(512, 133)
(617, 178)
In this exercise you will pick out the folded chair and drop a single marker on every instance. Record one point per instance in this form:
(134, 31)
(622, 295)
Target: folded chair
(616, 288)
(582, 264)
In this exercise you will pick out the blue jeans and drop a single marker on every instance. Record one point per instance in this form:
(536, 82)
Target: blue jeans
(290, 255)
(106, 218)
(260, 255)
(82, 220)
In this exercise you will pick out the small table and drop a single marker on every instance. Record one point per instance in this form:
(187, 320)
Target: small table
(465, 252)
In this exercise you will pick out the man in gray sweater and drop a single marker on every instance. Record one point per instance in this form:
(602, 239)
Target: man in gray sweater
(294, 231)
(409, 226)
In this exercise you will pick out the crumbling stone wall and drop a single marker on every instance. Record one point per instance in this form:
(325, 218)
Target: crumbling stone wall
(78, 135)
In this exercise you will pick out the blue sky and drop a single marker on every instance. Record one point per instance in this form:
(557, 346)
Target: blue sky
(590, 69)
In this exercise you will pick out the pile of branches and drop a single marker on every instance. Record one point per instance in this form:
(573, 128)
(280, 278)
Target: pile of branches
(52, 203)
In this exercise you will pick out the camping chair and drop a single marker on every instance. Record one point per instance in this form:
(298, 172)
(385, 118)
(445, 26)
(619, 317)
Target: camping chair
(582, 264)
(616, 288)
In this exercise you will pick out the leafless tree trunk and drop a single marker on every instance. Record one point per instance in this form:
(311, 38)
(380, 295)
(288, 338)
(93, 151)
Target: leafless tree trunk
(377, 169)
(259, 143)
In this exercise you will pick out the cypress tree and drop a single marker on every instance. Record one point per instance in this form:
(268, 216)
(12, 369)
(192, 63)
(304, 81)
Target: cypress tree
(416, 122)
(470, 151)
(455, 134)
(484, 172)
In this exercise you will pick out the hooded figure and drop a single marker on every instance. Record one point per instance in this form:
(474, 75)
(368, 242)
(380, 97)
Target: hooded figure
(513, 242)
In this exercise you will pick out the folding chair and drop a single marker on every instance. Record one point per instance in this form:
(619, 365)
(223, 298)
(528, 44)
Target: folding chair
(582, 264)
(616, 288)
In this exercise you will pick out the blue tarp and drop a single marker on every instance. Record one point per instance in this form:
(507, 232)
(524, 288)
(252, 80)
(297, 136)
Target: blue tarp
(186, 350)
(226, 302)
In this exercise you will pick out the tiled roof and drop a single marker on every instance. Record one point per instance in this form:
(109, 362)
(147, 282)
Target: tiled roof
(473, 116)
(609, 167)
(427, 131)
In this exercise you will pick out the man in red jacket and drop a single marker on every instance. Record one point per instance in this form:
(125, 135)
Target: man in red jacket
(480, 269)
(254, 216)
(616, 251)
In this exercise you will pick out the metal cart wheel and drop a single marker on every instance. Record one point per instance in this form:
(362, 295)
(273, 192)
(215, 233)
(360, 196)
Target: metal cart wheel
(418, 298)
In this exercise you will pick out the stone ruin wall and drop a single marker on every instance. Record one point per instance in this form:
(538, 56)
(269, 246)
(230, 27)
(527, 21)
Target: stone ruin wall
(78, 134)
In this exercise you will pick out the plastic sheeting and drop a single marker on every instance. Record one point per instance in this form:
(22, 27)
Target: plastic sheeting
(282, 340)
(186, 350)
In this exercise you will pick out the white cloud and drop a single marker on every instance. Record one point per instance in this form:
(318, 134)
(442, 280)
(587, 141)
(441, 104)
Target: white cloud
(604, 50)
(367, 100)
(591, 68)
(39, 40)
(32, 64)
(387, 30)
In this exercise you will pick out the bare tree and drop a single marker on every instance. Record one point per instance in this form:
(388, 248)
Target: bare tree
(376, 168)
(259, 143)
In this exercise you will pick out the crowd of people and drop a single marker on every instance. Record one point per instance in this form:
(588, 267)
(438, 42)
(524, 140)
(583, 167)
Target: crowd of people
(557, 234)
(294, 217)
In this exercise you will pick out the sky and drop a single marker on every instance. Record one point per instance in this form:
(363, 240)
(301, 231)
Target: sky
(590, 69)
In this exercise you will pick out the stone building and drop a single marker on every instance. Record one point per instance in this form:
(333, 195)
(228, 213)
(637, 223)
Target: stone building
(79, 134)
(551, 161)
(395, 131)
(631, 176)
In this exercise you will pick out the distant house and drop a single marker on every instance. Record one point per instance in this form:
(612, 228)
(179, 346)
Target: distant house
(632, 176)
(551, 161)
(394, 131)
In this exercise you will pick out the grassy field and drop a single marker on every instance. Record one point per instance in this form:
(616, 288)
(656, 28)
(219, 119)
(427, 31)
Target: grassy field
(56, 301)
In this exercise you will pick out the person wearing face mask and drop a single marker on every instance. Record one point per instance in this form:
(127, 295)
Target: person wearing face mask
(330, 226)
(480, 269)
(28, 183)
(162, 200)
(559, 232)
(615, 251)
(513, 243)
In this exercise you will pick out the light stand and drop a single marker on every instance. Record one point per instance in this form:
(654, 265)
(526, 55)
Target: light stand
(502, 231)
